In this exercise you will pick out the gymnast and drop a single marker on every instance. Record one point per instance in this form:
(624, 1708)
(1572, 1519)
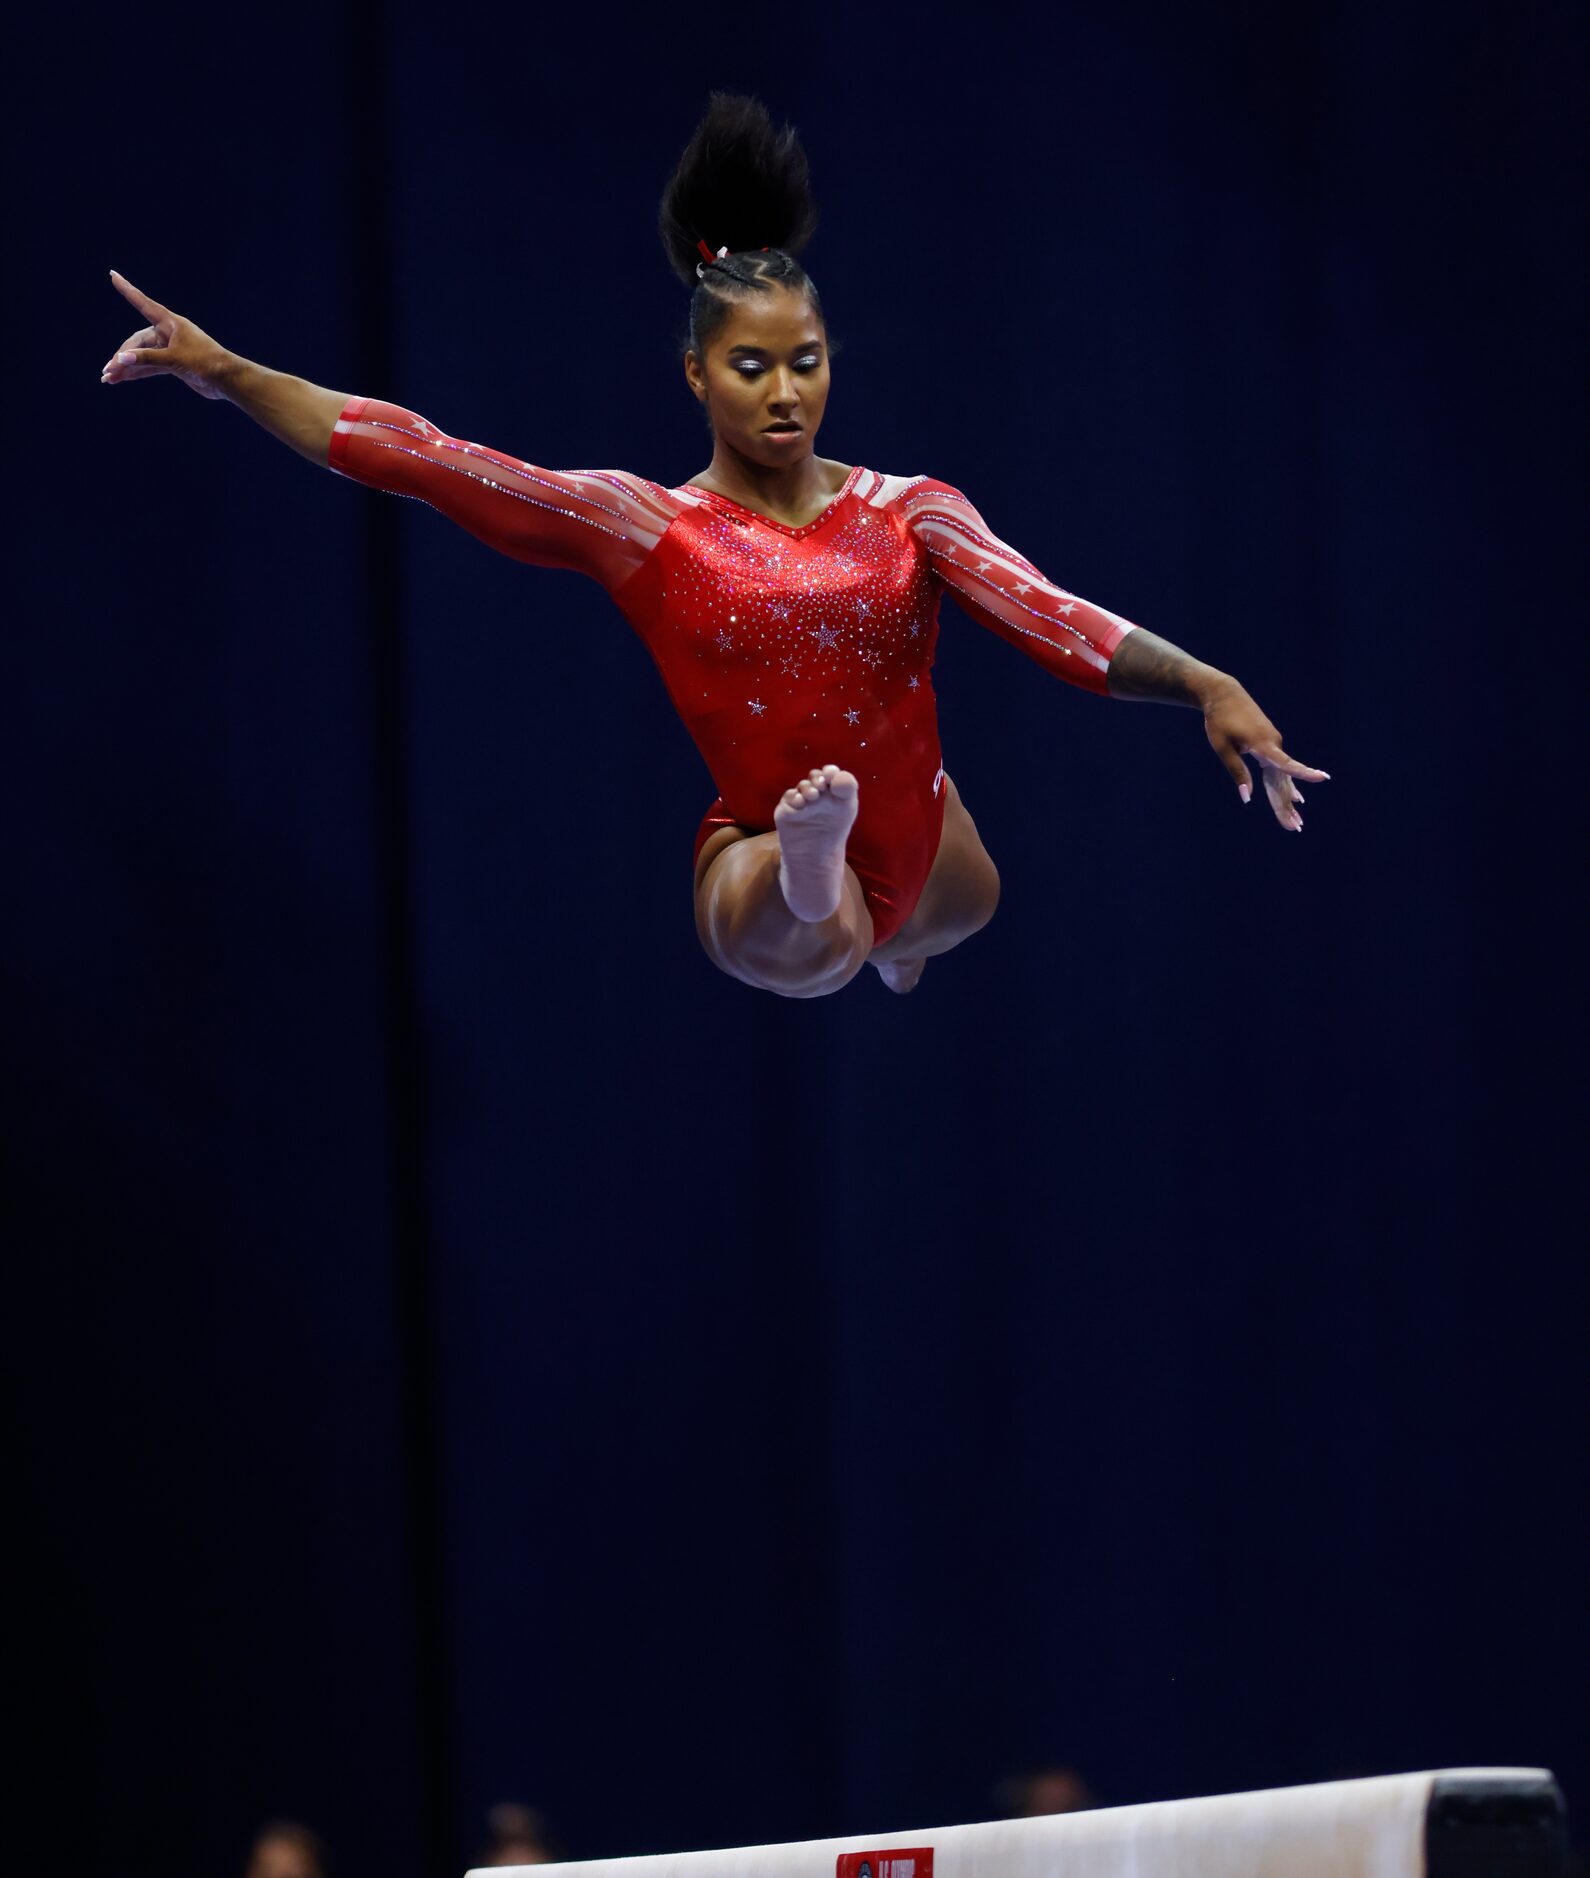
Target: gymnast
(790, 602)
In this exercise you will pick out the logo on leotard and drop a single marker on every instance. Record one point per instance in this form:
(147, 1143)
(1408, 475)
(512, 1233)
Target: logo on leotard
(911, 1862)
(938, 779)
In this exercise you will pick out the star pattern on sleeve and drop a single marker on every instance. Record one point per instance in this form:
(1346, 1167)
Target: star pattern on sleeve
(1004, 591)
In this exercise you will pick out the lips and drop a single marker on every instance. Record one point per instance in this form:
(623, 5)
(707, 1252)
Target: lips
(780, 430)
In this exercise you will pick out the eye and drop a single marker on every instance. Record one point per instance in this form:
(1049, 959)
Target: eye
(748, 368)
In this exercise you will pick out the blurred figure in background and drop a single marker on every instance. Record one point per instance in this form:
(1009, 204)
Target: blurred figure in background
(1050, 1787)
(285, 1849)
(516, 1835)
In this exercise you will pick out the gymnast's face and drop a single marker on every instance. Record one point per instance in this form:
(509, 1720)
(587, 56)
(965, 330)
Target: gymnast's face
(765, 379)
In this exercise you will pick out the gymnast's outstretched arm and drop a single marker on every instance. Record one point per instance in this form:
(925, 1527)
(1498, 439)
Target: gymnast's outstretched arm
(1091, 647)
(598, 522)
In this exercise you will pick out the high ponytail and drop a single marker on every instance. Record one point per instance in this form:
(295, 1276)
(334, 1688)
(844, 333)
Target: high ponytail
(744, 186)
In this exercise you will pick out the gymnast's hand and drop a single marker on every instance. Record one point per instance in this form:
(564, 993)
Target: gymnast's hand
(1236, 727)
(1146, 666)
(168, 344)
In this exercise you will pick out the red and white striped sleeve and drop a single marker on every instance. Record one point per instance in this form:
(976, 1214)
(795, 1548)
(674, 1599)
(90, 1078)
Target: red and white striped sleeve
(598, 522)
(1003, 591)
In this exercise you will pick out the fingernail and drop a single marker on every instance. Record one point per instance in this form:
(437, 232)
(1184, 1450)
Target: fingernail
(1244, 790)
(124, 358)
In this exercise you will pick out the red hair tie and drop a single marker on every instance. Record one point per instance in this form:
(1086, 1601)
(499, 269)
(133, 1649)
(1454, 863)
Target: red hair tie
(721, 255)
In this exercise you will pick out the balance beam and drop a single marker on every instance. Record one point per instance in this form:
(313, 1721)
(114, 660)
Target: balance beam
(1465, 1822)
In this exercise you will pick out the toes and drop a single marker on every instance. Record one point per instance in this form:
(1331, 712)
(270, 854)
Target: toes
(812, 787)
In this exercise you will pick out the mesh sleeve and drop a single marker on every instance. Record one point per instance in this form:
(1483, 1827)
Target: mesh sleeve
(598, 522)
(1003, 591)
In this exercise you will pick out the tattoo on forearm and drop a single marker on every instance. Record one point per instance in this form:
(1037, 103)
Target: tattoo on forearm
(1146, 666)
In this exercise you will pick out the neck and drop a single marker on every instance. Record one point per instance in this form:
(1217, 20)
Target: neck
(787, 486)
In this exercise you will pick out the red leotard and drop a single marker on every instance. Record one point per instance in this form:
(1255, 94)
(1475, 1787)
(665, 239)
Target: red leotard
(782, 648)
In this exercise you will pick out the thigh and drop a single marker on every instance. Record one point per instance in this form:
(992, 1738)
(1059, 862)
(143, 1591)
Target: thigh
(710, 851)
(958, 896)
(713, 846)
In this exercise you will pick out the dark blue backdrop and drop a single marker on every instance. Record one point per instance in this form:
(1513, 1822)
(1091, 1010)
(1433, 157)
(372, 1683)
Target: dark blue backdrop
(467, 1347)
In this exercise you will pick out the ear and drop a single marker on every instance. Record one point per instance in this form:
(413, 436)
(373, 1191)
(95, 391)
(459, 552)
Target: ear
(695, 377)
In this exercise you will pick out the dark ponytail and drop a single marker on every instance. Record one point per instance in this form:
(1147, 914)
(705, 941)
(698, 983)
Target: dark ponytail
(744, 186)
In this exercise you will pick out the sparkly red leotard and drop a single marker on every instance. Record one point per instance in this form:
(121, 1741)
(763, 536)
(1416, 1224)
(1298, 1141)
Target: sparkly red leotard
(782, 648)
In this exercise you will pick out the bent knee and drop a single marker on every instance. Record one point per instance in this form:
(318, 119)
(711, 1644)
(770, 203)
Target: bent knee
(807, 964)
(776, 953)
(812, 975)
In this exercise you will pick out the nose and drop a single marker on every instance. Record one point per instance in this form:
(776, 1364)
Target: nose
(781, 391)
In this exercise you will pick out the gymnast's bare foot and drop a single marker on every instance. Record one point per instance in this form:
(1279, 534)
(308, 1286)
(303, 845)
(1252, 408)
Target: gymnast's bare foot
(813, 820)
(899, 974)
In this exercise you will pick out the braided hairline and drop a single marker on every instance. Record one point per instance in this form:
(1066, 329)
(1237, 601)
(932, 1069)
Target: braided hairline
(751, 267)
(756, 269)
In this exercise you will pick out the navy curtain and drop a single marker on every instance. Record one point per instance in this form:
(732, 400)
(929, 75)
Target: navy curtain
(463, 1346)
